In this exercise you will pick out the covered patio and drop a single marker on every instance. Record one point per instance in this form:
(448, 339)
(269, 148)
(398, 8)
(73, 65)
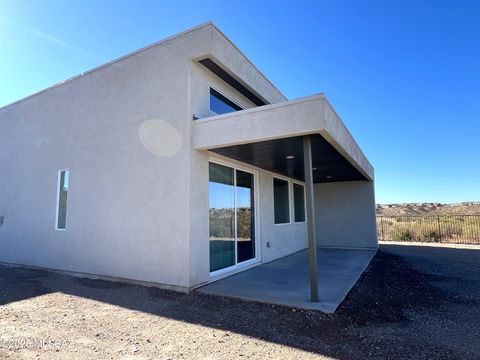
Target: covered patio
(287, 281)
(305, 140)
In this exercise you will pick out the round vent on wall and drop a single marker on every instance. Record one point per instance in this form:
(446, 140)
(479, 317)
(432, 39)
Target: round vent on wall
(159, 137)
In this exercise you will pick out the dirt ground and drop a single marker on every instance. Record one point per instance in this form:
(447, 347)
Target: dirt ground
(413, 302)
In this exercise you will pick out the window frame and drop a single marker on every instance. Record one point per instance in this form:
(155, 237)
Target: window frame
(221, 273)
(304, 202)
(289, 199)
(57, 209)
(291, 203)
(226, 96)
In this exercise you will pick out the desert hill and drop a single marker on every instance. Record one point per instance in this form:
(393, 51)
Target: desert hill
(426, 209)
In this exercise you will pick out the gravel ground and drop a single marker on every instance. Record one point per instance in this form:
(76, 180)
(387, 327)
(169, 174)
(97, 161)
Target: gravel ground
(413, 302)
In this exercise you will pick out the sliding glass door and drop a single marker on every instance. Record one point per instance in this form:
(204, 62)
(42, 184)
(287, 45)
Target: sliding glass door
(232, 216)
(222, 217)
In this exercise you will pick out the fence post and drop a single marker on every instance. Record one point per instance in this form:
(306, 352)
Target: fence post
(410, 228)
(439, 229)
(383, 229)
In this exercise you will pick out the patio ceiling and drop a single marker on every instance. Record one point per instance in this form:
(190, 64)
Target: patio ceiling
(285, 157)
(271, 137)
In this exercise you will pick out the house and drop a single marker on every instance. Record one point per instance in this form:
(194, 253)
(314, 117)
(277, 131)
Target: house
(178, 165)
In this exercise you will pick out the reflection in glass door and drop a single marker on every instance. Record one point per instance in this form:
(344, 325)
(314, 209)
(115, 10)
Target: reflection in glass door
(222, 217)
(232, 216)
(244, 197)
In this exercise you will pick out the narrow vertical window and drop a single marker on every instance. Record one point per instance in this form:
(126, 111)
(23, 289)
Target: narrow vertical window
(299, 202)
(63, 176)
(280, 201)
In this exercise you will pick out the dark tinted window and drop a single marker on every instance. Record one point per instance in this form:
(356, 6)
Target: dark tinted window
(280, 201)
(62, 200)
(244, 200)
(299, 202)
(220, 104)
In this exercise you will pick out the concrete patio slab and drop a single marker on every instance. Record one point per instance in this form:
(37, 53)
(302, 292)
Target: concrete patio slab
(286, 281)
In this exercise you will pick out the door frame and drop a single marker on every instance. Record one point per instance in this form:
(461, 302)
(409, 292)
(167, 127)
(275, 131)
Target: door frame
(256, 202)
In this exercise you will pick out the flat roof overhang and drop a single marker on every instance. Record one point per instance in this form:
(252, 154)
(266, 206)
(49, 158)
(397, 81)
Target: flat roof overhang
(230, 79)
(269, 136)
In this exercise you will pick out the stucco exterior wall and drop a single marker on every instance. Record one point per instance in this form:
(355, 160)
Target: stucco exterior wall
(240, 67)
(345, 214)
(274, 240)
(200, 81)
(127, 207)
(283, 239)
(132, 214)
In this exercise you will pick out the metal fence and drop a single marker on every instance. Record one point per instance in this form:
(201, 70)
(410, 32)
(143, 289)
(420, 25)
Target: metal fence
(460, 229)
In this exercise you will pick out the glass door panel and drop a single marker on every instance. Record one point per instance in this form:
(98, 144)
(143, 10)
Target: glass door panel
(244, 196)
(222, 217)
(232, 216)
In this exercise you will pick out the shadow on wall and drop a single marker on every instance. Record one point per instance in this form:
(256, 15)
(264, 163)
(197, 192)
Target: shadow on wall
(388, 289)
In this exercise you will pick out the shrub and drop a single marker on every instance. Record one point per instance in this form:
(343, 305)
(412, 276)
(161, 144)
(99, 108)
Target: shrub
(405, 235)
(399, 232)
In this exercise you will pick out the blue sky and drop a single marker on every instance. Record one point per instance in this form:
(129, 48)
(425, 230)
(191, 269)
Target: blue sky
(403, 75)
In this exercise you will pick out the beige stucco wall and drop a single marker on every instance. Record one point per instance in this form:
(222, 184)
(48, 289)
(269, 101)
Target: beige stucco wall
(127, 207)
(273, 240)
(283, 239)
(345, 214)
(134, 214)
(131, 213)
